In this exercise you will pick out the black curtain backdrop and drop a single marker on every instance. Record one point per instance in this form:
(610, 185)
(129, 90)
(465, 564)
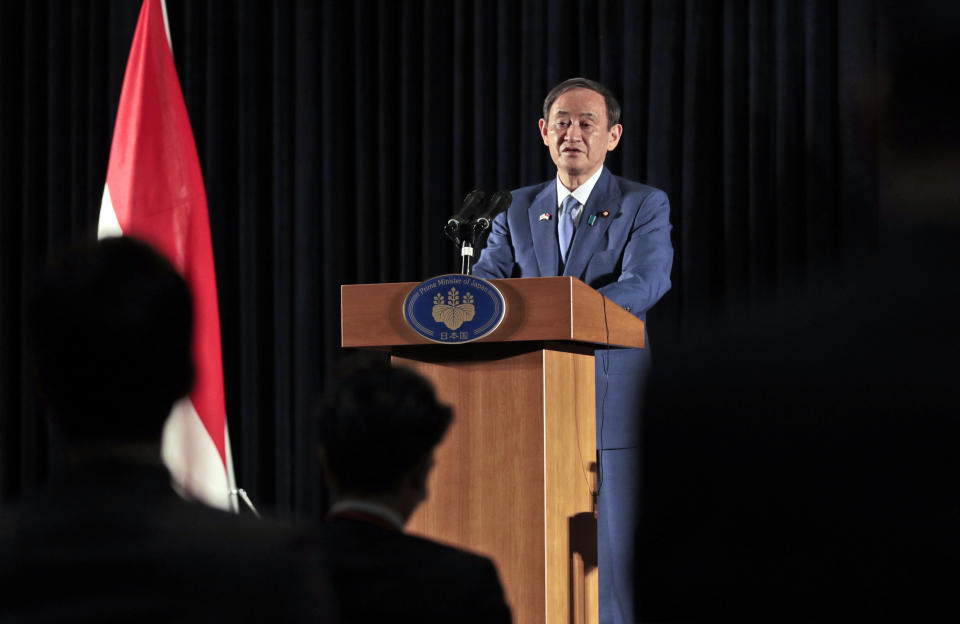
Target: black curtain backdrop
(336, 137)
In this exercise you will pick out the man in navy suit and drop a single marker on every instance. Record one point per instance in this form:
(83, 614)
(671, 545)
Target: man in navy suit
(107, 539)
(379, 426)
(614, 235)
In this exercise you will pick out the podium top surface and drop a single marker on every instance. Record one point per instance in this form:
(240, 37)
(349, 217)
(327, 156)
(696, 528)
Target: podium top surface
(538, 309)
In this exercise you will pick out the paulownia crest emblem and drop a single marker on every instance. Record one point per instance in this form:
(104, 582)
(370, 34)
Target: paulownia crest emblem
(453, 312)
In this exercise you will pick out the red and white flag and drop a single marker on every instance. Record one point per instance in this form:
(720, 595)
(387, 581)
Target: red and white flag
(155, 192)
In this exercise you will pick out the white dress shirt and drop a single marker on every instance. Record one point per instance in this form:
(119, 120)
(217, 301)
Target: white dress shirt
(581, 195)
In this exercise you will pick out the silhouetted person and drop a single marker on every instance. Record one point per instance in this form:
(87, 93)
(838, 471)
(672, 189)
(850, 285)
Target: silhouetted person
(379, 426)
(802, 464)
(108, 539)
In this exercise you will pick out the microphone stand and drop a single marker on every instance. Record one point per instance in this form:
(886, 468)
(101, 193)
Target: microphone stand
(477, 228)
(460, 232)
(466, 257)
(465, 231)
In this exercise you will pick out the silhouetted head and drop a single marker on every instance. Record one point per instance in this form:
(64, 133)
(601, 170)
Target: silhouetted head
(110, 333)
(379, 425)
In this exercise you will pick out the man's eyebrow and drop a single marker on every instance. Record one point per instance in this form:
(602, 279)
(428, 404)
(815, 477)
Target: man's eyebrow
(584, 114)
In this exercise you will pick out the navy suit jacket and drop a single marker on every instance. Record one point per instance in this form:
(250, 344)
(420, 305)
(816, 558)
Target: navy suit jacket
(625, 254)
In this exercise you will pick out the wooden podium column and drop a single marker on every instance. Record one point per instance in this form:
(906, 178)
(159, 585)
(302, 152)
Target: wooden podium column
(515, 474)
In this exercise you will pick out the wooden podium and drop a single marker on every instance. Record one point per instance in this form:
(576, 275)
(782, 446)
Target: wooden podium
(515, 475)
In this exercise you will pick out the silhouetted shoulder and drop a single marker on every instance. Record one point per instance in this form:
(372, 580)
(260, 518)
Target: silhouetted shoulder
(411, 577)
(114, 543)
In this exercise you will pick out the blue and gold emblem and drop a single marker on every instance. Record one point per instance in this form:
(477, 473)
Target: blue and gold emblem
(453, 309)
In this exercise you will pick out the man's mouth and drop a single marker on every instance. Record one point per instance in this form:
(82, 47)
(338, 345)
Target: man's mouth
(570, 150)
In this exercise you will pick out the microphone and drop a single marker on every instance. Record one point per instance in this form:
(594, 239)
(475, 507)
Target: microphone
(499, 202)
(470, 203)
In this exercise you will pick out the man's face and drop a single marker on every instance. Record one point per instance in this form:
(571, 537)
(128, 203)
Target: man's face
(577, 132)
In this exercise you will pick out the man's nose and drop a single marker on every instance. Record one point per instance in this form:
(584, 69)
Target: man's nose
(573, 132)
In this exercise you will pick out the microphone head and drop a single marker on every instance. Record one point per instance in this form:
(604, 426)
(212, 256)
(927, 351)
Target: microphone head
(499, 202)
(454, 224)
(471, 202)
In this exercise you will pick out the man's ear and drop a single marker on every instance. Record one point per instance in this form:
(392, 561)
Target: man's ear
(543, 132)
(614, 133)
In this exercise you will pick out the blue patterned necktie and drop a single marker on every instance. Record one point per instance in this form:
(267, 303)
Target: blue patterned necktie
(565, 226)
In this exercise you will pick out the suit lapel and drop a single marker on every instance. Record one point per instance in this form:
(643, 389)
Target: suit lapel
(544, 231)
(588, 238)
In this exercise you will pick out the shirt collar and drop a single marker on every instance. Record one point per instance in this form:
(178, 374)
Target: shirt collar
(380, 511)
(583, 191)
